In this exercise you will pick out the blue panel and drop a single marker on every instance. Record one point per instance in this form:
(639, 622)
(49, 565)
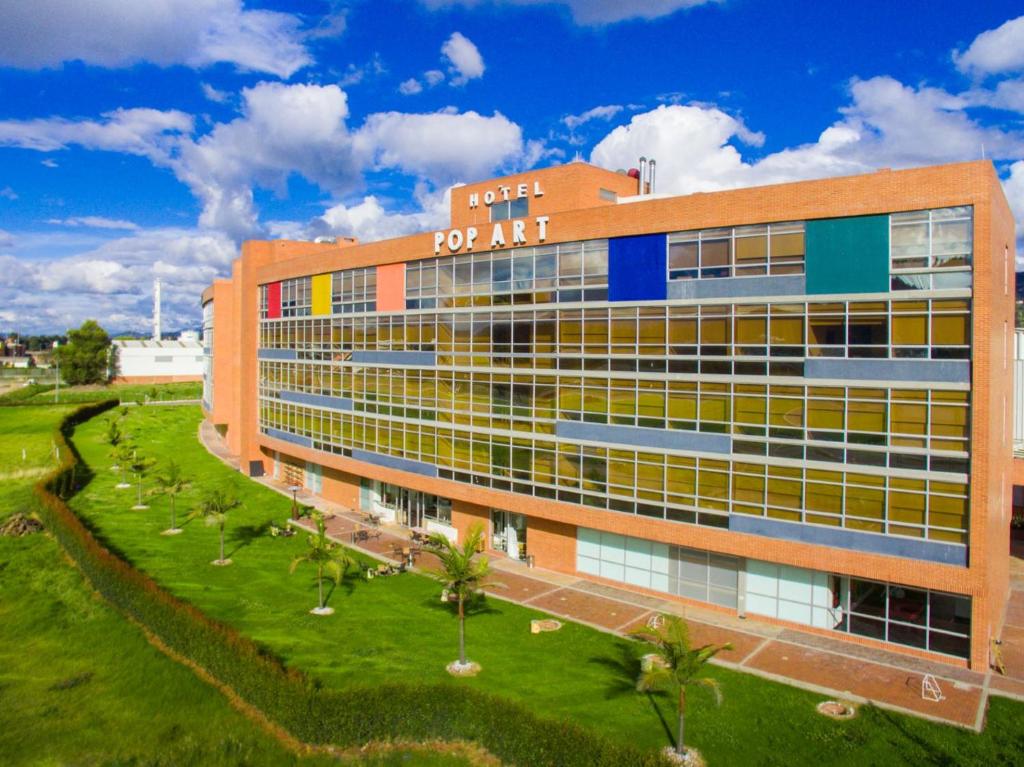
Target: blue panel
(276, 354)
(295, 439)
(422, 359)
(316, 400)
(391, 462)
(739, 287)
(872, 543)
(663, 439)
(942, 371)
(637, 268)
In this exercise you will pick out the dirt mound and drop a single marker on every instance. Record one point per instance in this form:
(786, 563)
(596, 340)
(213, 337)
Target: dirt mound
(20, 524)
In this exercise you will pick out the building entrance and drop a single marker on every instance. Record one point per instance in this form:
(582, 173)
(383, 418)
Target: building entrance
(508, 533)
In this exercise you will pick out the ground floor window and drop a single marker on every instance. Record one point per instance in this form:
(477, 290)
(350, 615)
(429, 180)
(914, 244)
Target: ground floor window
(928, 620)
(685, 572)
(409, 507)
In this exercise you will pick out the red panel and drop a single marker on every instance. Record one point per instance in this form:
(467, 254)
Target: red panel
(391, 288)
(273, 300)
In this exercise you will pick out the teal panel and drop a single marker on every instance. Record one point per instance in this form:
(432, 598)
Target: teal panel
(848, 255)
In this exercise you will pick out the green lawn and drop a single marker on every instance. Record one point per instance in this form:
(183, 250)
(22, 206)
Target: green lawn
(81, 686)
(396, 628)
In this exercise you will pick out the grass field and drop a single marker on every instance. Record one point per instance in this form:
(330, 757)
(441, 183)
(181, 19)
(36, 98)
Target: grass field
(124, 392)
(396, 628)
(79, 685)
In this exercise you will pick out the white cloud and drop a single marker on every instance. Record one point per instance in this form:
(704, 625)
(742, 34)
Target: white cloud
(466, 62)
(112, 281)
(95, 222)
(994, 51)
(443, 147)
(410, 87)
(113, 33)
(606, 112)
(283, 130)
(145, 132)
(49, 163)
(6, 239)
(214, 95)
(8, 193)
(433, 77)
(594, 12)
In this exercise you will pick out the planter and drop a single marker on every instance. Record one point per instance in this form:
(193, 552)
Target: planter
(322, 611)
(836, 709)
(221, 562)
(691, 757)
(173, 531)
(457, 669)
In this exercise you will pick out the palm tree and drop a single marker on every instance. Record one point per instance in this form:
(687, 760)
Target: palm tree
(462, 573)
(114, 437)
(675, 664)
(171, 482)
(213, 510)
(124, 453)
(329, 558)
(140, 464)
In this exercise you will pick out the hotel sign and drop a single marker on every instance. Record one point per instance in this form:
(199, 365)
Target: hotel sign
(502, 233)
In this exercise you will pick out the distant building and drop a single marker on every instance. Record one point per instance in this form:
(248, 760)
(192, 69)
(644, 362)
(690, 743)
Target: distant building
(159, 361)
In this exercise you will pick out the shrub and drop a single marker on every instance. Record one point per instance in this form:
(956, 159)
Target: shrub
(349, 717)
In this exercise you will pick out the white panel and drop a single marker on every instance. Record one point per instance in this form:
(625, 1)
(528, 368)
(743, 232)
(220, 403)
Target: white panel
(613, 571)
(659, 558)
(636, 576)
(762, 605)
(762, 578)
(659, 582)
(613, 548)
(588, 565)
(821, 618)
(638, 553)
(798, 613)
(795, 584)
(588, 542)
(822, 596)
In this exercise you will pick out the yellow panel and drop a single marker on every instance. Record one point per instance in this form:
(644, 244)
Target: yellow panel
(321, 294)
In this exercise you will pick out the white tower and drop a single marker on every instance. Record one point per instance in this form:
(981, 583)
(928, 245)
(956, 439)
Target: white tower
(156, 309)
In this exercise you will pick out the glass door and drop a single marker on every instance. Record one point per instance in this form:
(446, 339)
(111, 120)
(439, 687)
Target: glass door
(508, 533)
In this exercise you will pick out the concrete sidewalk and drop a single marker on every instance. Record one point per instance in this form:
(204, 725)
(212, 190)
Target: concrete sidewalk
(834, 668)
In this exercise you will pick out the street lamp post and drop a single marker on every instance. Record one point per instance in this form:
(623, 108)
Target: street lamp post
(295, 501)
(56, 357)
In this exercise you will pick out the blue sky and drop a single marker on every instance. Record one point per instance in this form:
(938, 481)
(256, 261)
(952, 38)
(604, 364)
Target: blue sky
(145, 138)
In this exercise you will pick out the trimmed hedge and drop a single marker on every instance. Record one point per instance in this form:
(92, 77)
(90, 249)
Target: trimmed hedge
(344, 718)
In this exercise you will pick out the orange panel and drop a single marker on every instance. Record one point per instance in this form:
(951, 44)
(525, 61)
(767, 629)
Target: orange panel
(391, 288)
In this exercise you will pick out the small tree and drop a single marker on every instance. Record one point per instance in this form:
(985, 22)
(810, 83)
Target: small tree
(329, 558)
(213, 510)
(463, 573)
(140, 465)
(674, 665)
(114, 437)
(84, 359)
(123, 454)
(171, 482)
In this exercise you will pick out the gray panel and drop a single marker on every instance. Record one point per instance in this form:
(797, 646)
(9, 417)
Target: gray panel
(277, 354)
(423, 359)
(295, 439)
(316, 400)
(392, 462)
(738, 287)
(665, 439)
(873, 543)
(944, 371)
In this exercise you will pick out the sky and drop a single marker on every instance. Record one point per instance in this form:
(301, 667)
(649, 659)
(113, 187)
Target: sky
(149, 138)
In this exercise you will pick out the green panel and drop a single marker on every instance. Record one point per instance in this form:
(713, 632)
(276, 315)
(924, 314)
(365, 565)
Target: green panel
(848, 255)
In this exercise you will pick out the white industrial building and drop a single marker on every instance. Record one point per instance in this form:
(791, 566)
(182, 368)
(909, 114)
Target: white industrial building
(160, 361)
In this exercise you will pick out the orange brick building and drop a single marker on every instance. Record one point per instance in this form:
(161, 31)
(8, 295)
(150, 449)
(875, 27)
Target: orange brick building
(789, 402)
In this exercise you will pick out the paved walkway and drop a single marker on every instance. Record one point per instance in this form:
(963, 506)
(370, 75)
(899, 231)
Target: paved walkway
(832, 667)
